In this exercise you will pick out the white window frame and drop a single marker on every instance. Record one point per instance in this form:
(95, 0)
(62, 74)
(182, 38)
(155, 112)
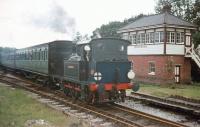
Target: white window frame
(182, 37)
(161, 40)
(171, 39)
(151, 69)
(147, 38)
(132, 39)
(139, 40)
(151, 38)
(157, 37)
(142, 38)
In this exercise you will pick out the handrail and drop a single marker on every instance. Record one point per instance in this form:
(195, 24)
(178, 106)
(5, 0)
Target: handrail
(197, 51)
(196, 56)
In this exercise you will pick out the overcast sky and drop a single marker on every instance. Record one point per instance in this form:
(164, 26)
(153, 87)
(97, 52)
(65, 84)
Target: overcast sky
(29, 22)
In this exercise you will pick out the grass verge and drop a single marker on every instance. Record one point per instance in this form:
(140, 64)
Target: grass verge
(190, 91)
(16, 107)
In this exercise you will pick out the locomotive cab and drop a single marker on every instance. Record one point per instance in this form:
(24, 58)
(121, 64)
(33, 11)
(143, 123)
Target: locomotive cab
(109, 69)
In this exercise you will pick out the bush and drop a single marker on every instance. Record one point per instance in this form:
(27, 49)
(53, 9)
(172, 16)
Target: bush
(196, 39)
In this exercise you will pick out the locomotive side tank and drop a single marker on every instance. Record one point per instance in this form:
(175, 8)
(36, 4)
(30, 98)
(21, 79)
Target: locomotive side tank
(99, 71)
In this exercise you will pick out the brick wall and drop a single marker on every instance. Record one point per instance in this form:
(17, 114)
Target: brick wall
(164, 68)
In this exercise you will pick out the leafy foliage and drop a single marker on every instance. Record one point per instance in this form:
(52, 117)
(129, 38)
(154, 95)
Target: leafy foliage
(195, 13)
(179, 8)
(110, 29)
(78, 37)
(196, 20)
(196, 39)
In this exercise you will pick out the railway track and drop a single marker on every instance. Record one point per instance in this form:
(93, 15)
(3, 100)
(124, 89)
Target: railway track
(119, 115)
(180, 104)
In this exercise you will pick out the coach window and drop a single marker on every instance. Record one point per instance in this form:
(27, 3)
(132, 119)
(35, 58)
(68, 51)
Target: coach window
(152, 68)
(22, 55)
(16, 57)
(31, 55)
(26, 55)
(38, 54)
(43, 54)
(35, 56)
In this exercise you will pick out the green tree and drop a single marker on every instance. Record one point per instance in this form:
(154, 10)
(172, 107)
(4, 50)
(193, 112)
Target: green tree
(77, 37)
(196, 39)
(195, 16)
(195, 13)
(179, 8)
(110, 29)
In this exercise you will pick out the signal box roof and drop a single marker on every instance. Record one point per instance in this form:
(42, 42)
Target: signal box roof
(158, 19)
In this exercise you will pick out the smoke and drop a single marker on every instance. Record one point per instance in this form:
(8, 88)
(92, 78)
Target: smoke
(55, 19)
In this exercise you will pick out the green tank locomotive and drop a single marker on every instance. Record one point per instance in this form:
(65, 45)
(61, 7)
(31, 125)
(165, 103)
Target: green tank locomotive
(99, 71)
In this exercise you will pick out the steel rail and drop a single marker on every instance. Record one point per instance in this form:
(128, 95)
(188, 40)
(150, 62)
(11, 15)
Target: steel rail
(91, 109)
(33, 87)
(148, 116)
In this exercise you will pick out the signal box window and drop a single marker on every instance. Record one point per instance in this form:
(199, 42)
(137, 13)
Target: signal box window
(152, 68)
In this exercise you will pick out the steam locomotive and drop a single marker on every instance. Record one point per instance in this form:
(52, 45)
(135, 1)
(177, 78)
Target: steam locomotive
(97, 72)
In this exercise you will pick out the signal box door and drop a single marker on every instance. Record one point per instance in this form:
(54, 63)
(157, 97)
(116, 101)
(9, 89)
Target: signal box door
(177, 71)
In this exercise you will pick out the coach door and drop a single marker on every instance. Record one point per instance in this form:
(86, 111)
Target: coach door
(177, 71)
